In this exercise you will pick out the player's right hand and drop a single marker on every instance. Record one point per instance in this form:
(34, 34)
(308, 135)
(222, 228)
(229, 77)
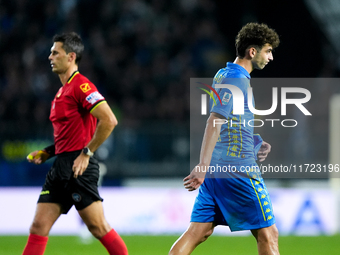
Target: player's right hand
(37, 157)
(195, 178)
(264, 150)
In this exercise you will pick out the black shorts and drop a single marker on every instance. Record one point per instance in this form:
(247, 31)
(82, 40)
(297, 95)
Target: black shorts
(62, 188)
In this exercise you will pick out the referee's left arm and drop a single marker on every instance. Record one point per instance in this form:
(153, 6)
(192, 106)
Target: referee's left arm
(106, 123)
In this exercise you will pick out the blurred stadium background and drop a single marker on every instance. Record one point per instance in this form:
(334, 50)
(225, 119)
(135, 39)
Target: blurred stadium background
(141, 55)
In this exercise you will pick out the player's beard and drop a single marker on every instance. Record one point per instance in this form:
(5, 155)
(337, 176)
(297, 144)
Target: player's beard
(259, 65)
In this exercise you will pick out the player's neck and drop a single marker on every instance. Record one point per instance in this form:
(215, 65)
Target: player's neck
(65, 76)
(245, 63)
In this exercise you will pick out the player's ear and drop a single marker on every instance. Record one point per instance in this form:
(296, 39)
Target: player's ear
(72, 56)
(252, 52)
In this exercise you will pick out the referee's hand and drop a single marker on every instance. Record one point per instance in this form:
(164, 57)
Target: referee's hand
(37, 157)
(195, 178)
(80, 164)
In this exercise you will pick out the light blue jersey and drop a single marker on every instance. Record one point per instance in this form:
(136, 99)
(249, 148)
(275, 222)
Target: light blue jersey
(234, 194)
(236, 141)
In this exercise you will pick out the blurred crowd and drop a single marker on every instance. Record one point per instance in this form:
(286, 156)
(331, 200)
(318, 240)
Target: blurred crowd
(140, 55)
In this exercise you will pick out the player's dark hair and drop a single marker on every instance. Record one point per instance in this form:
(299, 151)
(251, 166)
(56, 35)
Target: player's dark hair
(71, 43)
(255, 35)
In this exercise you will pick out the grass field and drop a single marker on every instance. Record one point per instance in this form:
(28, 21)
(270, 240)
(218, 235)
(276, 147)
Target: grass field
(157, 245)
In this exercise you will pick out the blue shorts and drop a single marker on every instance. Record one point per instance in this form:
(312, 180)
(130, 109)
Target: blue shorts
(236, 197)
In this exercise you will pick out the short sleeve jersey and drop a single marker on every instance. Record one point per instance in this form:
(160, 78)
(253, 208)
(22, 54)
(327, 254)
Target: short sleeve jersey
(73, 123)
(236, 140)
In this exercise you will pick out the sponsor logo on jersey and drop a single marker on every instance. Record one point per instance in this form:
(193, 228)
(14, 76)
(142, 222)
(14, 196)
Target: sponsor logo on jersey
(85, 87)
(94, 97)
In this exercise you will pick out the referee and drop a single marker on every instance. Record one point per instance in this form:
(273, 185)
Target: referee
(73, 177)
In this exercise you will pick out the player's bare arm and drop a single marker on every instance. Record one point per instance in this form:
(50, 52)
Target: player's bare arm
(264, 150)
(106, 123)
(211, 134)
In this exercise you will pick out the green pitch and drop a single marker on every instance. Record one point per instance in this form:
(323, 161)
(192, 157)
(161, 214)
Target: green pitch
(157, 245)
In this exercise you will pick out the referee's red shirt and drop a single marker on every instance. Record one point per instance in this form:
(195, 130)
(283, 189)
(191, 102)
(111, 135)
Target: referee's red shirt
(73, 124)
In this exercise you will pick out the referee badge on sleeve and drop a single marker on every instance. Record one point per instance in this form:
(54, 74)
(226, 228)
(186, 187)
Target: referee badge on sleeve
(94, 97)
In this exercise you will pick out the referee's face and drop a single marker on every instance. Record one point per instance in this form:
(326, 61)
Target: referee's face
(263, 57)
(59, 60)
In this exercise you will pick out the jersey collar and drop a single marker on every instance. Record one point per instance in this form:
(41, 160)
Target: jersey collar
(72, 76)
(239, 68)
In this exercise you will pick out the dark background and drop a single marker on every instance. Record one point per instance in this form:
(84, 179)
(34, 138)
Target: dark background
(141, 56)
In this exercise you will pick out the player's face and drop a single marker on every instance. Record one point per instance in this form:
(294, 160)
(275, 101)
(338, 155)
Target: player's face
(60, 61)
(263, 57)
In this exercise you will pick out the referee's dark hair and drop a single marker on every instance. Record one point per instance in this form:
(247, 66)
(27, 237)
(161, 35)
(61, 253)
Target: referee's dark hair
(71, 43)
(255, 35)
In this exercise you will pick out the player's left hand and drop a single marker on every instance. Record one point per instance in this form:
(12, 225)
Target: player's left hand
(80, 164)
(264, 150)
